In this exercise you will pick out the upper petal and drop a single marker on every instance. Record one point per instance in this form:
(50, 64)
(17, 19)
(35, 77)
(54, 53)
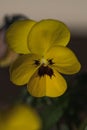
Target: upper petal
(64, 60)
(23, 68)
(47, 33)
(47, 86)
(16, 35)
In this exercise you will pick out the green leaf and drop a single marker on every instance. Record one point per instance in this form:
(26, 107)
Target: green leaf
(83, 125)
(50, 116)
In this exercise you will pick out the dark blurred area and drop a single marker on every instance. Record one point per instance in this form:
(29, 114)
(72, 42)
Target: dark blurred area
(78, 44)
(8, 92)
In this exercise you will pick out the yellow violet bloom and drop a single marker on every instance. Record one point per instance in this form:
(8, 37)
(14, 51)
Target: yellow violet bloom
(45, 56)
(21, 117)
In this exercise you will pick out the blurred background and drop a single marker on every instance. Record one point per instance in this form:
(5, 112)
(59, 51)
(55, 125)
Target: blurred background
(74, 14)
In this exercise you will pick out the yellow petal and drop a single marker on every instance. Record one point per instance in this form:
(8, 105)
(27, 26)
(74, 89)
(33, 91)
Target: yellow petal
(48, 33)
(22, 118)
(16, 35)
(23, 68)
(64, 60)
(47, 86)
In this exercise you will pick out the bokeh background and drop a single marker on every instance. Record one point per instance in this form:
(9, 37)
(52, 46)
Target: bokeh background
(74, 14)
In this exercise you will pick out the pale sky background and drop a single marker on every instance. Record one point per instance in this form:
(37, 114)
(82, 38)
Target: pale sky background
(71, 12)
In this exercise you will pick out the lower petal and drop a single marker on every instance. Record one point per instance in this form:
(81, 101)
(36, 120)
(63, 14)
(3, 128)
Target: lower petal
(47, 86)
(55, 86)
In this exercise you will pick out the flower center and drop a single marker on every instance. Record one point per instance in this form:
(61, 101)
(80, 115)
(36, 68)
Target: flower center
(43, 62)
(44, 68)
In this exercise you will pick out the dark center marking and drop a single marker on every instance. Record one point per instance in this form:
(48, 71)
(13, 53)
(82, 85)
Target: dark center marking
(50, 61)
(37, 62)
(45, 70)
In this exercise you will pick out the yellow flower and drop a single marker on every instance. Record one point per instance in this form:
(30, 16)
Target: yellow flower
(45, 56)
(21, 117)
